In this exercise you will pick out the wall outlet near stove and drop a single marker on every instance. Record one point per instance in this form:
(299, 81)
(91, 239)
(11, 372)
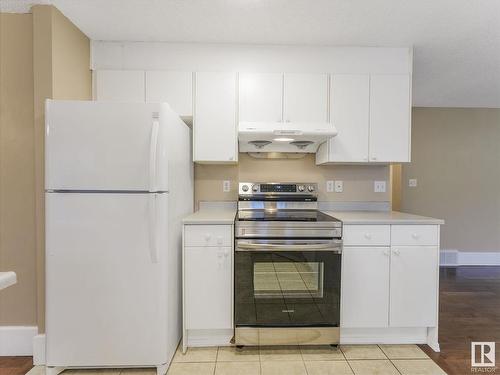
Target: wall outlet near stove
(379, 186)
(339, 186)
(226, 186)
(329, 186)
(412, 182)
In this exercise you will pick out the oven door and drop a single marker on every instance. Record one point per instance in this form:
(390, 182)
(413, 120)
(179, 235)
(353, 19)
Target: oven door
(287, 283)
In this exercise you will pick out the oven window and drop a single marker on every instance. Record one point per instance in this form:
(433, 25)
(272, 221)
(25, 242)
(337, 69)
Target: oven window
(288, 279)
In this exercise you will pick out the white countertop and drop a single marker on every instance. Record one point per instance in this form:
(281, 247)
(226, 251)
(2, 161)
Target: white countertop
(7, 279)
(381, 217)
(211, 216)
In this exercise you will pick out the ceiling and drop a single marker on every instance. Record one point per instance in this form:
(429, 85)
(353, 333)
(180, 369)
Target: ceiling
(456, 42)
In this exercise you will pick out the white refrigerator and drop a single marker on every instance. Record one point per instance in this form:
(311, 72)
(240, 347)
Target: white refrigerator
(118, 180)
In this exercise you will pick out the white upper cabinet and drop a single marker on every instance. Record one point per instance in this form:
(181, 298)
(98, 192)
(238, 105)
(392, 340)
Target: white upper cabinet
(174, 88)
(390, 118)
(119, 85)
(214, 122)
(260, 97)
(372, 115)
(305, 98)
(349, 112)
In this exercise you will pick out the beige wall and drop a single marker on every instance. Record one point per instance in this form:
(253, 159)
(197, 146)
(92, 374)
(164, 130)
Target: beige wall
(42, 55)
(17, 179)
(358, 179)
(456, 160)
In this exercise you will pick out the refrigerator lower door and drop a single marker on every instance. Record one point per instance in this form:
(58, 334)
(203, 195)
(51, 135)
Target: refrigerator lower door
(106, 279)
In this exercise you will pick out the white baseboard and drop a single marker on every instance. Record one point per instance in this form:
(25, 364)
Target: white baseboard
(39, 349)
(383, 335)
(17, 340)
(454, 258)
(209, 337)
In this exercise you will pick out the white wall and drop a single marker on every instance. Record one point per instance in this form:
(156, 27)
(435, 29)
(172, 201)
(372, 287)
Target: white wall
(249, 58)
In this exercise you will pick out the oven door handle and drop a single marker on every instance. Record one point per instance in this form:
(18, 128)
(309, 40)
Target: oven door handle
(335, 248)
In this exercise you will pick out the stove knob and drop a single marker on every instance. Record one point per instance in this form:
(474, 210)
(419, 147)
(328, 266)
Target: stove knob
(244, 188)
(255, 188)
(301, 188)
(310, 188)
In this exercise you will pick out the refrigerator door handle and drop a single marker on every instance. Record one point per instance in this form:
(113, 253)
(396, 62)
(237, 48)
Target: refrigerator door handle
(153, 146)
(153, 241)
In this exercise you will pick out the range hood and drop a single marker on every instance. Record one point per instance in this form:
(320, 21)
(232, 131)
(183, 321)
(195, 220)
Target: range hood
(283, 136)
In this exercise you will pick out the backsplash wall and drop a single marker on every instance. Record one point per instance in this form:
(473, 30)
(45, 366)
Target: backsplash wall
(358, 179)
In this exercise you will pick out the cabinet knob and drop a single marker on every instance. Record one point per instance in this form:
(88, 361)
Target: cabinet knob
(386, 252)
(396, 252)
(415, 236)
(219, 240)
(368, 236)
(374, 158)
(208, 236)
(226, 252)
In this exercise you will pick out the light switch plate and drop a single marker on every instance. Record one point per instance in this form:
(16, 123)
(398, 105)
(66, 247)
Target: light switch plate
(329, 186)
(412, 182)
(379, 186)
(226, 186)
(339, 186)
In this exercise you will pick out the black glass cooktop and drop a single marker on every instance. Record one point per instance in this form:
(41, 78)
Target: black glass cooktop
(284, 215)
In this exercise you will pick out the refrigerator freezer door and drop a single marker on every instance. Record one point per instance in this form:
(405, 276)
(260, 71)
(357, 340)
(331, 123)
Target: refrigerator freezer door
(106, 146)
(106, 275)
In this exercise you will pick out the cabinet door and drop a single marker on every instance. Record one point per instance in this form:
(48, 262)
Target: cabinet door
(414, 286)
(207, 287)
(119, 85)
(390, 118)
(365, 287)
(260, 97)
(214, 126)
(349, 112)
(175, 88)
(305, 98)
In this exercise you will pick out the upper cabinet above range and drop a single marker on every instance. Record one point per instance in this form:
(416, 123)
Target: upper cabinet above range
(277, 97)
(373, 116)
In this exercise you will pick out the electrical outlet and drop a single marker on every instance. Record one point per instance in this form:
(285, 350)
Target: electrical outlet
(329, 186)
(339, 186)
(412, 182)
(226, 186)
(379, 186)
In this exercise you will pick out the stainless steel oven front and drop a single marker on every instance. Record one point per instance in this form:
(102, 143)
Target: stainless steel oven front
(287, 291)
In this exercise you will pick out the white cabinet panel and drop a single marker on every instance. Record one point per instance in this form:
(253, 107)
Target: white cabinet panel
(349, 112)
(119, 85)
(208, 235)
(207, 288)
(365, 287)
(414, 286)
(214, 125)
(415, 235)
(367, 235)
(260, 97)
(305, 98)
(175, 88)
(390, 118)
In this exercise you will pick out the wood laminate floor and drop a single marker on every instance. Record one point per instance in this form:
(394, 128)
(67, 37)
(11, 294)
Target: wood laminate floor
(469, 311)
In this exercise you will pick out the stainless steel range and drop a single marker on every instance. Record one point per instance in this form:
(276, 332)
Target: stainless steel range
(287, 267)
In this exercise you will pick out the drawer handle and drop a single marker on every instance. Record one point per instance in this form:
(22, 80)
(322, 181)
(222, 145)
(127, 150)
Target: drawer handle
(208, 236)
(219, 240)
(415, 236)
(368, 236)
(396, 252)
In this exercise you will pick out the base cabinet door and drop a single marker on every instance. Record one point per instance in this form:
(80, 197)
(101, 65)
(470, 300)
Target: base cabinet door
(207, 288)
(365, 287)
(413, 292)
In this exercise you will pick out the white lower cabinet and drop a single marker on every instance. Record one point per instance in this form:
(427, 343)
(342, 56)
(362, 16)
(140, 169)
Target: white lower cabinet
(207, 285)
(365, 287)
(208, 288)
(414, 280)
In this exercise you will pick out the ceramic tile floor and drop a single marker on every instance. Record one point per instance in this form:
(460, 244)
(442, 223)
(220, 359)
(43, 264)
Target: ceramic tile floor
(319, 360)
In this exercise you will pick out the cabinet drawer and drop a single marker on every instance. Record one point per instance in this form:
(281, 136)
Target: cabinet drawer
(423, 235)
(207, 235)
(367, 235)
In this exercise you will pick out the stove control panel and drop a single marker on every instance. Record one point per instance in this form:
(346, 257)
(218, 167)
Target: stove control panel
(277, 188)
